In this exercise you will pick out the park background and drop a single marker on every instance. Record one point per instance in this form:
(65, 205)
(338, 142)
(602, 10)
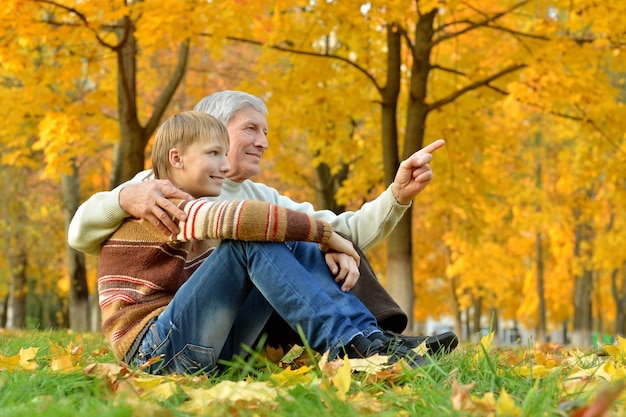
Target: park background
(522, 228)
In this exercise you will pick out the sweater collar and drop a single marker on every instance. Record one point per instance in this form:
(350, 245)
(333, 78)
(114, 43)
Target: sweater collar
(231, 186)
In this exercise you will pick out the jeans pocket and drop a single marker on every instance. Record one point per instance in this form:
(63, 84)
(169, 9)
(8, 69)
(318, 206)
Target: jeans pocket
(150, 347)
(191, 359)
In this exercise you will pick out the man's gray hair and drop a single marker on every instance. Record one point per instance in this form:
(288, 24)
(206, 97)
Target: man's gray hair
(224, 104)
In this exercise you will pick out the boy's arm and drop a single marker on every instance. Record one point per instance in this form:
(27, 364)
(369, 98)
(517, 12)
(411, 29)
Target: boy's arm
(254, 220)
(249, 220)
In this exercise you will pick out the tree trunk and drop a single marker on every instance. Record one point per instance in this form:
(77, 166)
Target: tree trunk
(398, 255)
(541, 322)
(494, 325)
(476, 314)
(399, 243)
(329, 184)
(400, 267)
(583, 289)
(456, 308)
(619, 295)
(16, 309)
(79, 292)
(541, 308)
(130, 151)
(4, 304)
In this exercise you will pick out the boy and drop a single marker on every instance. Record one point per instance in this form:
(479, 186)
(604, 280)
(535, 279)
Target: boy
(192, 300)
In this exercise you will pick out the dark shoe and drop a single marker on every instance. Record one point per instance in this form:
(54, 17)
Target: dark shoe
(397, 352)
(441, 343)
(364, 347)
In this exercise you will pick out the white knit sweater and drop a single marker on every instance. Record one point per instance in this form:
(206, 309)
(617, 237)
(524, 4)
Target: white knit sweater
(99, 216)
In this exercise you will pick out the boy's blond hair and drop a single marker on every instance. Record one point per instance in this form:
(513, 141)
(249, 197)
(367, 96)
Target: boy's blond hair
(180, 131)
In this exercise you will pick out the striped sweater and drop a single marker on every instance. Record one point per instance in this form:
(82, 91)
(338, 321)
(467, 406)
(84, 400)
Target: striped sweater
(141, 269)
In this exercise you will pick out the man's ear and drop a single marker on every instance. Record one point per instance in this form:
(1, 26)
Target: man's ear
(175, 158)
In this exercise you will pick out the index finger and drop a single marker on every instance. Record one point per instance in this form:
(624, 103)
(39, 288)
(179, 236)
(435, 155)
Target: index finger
(430, 148)
(169, 208)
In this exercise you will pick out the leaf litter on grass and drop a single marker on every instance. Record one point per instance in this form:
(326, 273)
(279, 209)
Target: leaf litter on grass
(590, 384)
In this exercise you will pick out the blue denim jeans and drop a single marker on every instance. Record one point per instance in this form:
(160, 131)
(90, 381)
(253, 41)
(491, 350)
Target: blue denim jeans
(227, 301)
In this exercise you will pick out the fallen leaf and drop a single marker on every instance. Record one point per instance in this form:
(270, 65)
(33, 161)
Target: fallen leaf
(26, 355)
(617, 352)
(343, 379)
(290, 377)
(505, 405)
(604, 400)
(461, 395)
(160, 392)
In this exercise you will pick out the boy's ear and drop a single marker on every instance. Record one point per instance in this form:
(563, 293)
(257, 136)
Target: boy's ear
(175, 158)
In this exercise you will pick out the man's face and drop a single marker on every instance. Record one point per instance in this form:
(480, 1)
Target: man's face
(247, 130)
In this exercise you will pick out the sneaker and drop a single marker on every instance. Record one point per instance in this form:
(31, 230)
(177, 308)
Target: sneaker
(364, 347)
(441, 343)
(397, 352)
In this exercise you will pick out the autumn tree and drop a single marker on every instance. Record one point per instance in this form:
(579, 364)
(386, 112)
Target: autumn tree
(455, 65)
(522, 221)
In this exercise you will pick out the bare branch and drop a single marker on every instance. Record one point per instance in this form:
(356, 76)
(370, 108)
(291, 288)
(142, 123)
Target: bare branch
(582, 118)
(474, 86)
(169, 90)
(80, 16)
(450, 70)
(498, 90)
(482, 23)
(308, 53)
(518, 33)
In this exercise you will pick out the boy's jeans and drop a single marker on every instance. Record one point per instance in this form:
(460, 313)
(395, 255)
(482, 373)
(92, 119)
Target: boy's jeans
(230, 297)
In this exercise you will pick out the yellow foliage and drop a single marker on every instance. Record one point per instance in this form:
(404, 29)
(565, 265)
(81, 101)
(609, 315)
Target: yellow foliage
(532, 154)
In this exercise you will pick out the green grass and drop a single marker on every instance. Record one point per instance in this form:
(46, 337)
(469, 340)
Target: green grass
(429, 391)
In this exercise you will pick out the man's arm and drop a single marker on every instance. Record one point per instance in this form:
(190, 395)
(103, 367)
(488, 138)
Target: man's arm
(98, 217)
(375, 219)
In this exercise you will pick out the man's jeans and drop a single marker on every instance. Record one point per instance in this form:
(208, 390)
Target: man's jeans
(229, 298)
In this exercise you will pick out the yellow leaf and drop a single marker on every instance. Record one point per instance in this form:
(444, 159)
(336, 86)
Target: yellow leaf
(26, 355)
(505, 405)
(421, 350)
(617, 352)
(343, 379)
(9, 362)
(370, 364)
(487, 340)
(161, 392)
(65, 358)
(614, 372)
(292, 377)
(61, 363)
(148, 382)
(486, 403)
(485, 346)
(537, 371)
(241, 391)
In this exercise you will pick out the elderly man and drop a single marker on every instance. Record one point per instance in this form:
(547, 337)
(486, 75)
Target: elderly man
(245, 118)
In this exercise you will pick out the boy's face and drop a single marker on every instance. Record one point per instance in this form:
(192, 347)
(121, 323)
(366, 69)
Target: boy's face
(202, 168)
